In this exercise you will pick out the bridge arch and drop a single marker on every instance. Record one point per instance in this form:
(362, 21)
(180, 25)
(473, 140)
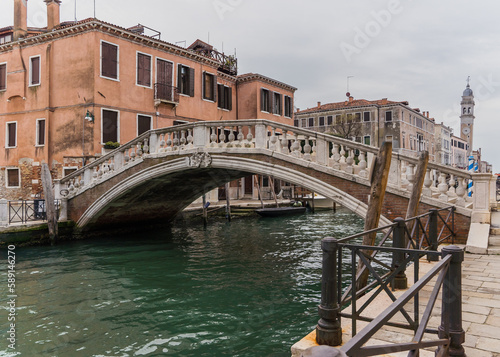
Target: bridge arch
(166, 178)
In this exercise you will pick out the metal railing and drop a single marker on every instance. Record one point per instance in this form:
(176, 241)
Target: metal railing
(385, 276)
(24, 211)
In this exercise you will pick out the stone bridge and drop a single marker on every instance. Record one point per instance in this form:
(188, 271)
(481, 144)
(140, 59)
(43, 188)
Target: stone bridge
(158, 174)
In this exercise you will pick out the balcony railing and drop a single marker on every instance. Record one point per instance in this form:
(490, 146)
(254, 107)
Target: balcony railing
(165, 93)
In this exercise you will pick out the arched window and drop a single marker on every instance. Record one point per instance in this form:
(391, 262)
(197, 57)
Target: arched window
(470, 110)
(465, 109)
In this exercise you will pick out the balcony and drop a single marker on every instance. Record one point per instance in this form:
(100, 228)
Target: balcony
(167, 94)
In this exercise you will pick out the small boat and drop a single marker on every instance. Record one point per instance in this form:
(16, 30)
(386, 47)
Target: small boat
(280, 211)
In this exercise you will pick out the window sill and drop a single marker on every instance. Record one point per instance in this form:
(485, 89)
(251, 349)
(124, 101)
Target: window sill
(144, 86)
(111, 79)
(12, 186)
(34, 85)
(208, 100)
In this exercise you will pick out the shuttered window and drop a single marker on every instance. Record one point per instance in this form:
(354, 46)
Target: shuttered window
(13, 178)
(185, 80)
(225, 97)
(388, 116)
(34, 71)
(40, 132)
(143, 124)
(366, 116)
(266, 100)
(109, 126)
(277, 103)
(288, 106)
(11, 133)
(209, 86)
(3, 76)
(143, 70)
(109, 60)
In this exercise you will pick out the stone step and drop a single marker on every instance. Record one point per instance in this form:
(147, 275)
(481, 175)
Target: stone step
(494, 251)
(494, 230)
(494, 241)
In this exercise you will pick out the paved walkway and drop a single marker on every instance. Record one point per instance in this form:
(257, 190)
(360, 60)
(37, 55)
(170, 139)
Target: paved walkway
(480, 306)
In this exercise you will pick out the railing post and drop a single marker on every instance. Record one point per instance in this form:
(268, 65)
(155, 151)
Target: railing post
(4, 212)
(451, 311)
(433, 232)
(398, 241)
(328, 330)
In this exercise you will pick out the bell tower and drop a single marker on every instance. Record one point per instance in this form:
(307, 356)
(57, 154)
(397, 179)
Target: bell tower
(467, 116)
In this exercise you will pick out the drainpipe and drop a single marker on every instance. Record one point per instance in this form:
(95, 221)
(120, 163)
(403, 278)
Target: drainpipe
(48, 110)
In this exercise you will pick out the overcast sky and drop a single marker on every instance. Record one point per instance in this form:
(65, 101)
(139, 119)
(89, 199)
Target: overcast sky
(419, 51)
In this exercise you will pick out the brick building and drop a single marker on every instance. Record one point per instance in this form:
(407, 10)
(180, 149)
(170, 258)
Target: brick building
(69, 88)
(373, 122)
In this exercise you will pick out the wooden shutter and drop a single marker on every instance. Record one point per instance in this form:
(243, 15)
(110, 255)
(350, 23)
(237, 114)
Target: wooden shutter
(179, 78)
(230, 98)
(3, 76)
(143, 124)
(143, 69)
(191, 82)
(220, 95)
(11, 128)
(41, 132)
(262, 99)
(109, 61)
(109, 126)
(35, 70)
(214, 88)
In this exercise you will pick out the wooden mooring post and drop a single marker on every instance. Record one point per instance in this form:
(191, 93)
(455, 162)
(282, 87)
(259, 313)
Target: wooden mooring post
(379, 178)
(228, 203)
(205, 210)
(50, 206)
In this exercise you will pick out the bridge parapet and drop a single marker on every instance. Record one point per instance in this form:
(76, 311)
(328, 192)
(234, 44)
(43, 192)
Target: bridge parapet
(309, 148)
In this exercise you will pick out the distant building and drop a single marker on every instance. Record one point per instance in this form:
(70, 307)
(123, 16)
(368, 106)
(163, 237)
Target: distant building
(459, 148)
(443, 145)
(69, 88)
(372, 122)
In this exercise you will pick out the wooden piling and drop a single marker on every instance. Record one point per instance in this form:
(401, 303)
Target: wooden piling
(228, 203)
(271, 185)
(379, 178)
(259, 191)
(50, 206)
(205, 210)
(418, 183)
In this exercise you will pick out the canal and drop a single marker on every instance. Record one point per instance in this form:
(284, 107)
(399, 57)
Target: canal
(246, 288)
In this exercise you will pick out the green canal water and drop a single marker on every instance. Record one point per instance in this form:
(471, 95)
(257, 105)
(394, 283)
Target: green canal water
(246, 288)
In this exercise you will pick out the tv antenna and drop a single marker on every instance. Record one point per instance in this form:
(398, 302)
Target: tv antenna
(348, 94)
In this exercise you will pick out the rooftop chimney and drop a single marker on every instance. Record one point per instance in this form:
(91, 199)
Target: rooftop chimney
(53, 16)
(319, 104)
(20, 19)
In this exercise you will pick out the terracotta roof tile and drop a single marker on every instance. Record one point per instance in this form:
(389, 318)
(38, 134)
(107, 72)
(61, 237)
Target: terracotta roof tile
(351, 104)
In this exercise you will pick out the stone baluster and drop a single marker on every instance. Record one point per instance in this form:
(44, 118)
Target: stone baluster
(162, 144)
(231, 137)
(284, 143)
(126, 156)
(139, 149)
(82, 180)
(168, 143)
(273, 140)
(342, 155)
(132, 153)
(145, 148)
(362, 165)
(296, 146)
(213, 137)
(451, 190)
(183, 140)
(307, 149)
(222, 137)
(443, 187)
(112, 164)
(190, 139)
(105, 168)
(314, 152)
(176, 140)
(94, 174)
(426, 191)
(349, 160)
(100, 171)
(335, 159)
(404, 181)
(71, 187)
(461, 192)
(249, 138)
(239, 143)
(410, 176)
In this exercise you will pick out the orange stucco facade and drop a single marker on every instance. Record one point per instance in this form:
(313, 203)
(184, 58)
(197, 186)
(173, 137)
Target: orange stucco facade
(63, 94)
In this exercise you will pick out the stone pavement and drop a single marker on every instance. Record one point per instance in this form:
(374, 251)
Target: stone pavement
(480, 311)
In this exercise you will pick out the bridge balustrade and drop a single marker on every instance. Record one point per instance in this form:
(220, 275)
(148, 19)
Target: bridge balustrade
(302, 146)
